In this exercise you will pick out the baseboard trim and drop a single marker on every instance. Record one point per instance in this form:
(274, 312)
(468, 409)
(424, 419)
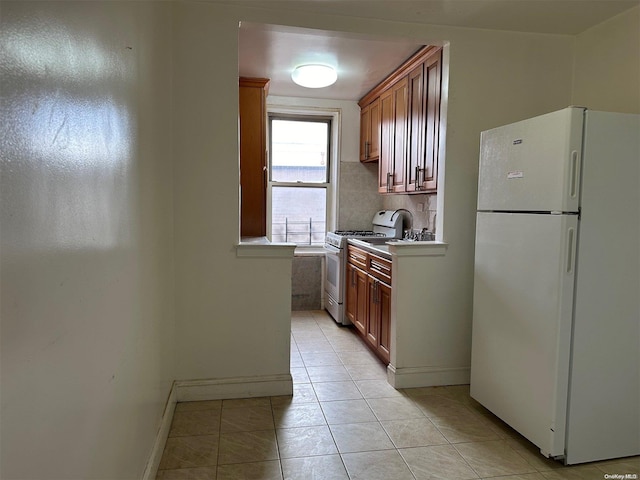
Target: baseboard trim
(211, 389)
(427, 376)
(151, 470)
(238, 387)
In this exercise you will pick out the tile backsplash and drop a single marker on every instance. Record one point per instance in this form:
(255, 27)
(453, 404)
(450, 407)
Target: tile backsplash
(359, 199)
(422, 206)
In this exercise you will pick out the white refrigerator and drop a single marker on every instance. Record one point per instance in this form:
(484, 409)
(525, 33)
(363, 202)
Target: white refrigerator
(556, 308)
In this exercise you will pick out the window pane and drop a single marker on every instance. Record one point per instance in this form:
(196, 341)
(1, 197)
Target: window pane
(298, 215)
(299, 151)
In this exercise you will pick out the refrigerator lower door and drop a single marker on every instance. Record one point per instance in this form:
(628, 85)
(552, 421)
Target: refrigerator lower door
(522, 314)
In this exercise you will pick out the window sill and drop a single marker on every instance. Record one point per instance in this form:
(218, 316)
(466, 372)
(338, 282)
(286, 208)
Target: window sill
(261, 247)
(315, 251)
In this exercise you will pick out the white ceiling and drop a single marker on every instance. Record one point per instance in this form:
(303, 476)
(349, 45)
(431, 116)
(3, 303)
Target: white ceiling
(273, 51)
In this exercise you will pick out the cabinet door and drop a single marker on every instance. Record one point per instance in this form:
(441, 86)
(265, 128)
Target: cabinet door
(374, 130)
(351, 301)
(433, 74)
(362, 308)
(393, 138)
(371, 328)
(384, 321)
(370, 132)
(400, 117)
(253, 159)
(423, 126)
(415, 160)
(385, 165)
(365, 133)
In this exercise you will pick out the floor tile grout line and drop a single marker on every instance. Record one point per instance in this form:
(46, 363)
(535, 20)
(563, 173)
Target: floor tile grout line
(275, 434)
(327, 420)
(378, 422)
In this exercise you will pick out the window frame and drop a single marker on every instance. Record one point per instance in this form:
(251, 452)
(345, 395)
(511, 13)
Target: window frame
(333, 117)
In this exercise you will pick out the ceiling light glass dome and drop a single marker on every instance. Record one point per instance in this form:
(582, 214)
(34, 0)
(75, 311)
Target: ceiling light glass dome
(314, 76)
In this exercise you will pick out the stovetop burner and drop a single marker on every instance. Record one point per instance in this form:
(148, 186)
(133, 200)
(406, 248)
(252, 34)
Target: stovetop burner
(357, 233)
(386, 223)
(339, 237)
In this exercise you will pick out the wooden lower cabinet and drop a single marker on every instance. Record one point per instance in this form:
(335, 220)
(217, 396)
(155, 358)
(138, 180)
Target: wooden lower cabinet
(384, 310)
(357, 308)
(369, 303)
(371, 328)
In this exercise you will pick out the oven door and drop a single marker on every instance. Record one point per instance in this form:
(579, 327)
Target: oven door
(334, 272)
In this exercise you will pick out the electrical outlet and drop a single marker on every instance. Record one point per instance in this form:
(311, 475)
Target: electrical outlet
(421, 207)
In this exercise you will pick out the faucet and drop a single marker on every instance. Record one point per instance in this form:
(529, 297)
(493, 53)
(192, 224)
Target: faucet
(410, 219)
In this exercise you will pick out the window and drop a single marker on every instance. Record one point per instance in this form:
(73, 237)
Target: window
(299, 178)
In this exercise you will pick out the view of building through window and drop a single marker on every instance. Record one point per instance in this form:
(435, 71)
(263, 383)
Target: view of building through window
(299, 177)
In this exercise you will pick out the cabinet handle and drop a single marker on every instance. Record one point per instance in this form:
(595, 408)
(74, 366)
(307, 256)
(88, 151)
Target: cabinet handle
(389, 175)
(367, 146)
(419, 178)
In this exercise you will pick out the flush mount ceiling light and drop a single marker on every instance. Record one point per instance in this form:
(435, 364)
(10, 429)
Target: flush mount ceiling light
(314, 76)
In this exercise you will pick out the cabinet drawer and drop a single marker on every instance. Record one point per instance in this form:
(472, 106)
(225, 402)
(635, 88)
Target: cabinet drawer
(357, 257)
(379, 268)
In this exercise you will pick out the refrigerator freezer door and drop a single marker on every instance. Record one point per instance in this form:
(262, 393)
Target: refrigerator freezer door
(532, 165)
(522, 309)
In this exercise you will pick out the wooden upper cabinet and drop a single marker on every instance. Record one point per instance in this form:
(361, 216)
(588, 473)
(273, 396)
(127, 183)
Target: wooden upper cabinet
(415, 157)
(370, 132)
(400, 118)
(409, 106)
(252, 111)
(433, 87)
(424, 119)
(386, 141)
(393, 138)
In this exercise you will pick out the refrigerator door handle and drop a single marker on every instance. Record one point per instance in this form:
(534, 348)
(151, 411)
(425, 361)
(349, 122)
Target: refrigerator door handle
(575, 171)
(570, 249)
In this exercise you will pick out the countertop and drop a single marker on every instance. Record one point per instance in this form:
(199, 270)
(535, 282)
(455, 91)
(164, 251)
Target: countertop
(390, 248)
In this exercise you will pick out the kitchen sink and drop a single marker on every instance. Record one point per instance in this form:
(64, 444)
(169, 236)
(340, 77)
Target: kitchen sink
(378, 240)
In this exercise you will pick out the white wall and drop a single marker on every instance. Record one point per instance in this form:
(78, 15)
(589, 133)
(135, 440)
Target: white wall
(233, 315)
(123, 114)
(87, 261)
(607, 65)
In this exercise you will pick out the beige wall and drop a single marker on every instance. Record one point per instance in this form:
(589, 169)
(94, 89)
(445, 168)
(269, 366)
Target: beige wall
(607, 65)
(87, 261)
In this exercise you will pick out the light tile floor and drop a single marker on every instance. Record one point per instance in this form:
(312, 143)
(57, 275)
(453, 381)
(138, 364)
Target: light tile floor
(344, 421)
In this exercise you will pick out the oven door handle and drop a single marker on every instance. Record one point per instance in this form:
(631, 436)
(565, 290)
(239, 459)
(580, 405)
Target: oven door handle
(331, 249)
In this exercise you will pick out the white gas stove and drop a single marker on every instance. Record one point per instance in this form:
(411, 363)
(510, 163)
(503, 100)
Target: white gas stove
(385, 223)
